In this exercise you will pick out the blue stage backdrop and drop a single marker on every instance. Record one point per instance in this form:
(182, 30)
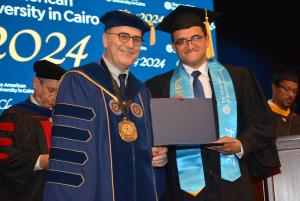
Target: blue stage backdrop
(69, 33)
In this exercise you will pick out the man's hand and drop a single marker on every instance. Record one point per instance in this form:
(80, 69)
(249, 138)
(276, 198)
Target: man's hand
(159, 156)
(232, 146)
(44, 161)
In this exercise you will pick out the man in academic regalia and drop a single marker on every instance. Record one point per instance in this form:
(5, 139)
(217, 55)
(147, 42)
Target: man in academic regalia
(102, 134)
(245, 126)
(25, 130)
(285, 87)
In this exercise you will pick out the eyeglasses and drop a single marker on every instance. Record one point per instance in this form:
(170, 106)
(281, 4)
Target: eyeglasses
(125, 37)
(288, 90)
(185, 41)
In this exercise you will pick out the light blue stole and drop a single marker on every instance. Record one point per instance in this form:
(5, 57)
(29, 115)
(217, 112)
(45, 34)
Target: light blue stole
(189, 161)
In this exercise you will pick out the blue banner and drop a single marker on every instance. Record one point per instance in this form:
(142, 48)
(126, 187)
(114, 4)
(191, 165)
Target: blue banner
(69, 33)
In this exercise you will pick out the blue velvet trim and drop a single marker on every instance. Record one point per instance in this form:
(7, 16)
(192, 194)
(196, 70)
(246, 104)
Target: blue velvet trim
(71, 133)
(68, 156)
(64, 178)
(33, 107)
(74, 111)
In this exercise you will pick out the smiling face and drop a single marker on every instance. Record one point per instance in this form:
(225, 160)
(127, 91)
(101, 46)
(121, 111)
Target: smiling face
(121, 54)
(192, 53)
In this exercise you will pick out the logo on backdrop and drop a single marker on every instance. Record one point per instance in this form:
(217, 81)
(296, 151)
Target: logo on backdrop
(170, 49)
(150, 62)
(147, 17)
(15, 88)
(173, 5)
(5, 103)
(128, 2)
(144, 48)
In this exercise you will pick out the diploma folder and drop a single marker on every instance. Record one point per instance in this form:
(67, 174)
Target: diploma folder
(183, 122)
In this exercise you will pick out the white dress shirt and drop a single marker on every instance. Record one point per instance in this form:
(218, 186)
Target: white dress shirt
(204, 78)
(115, 72)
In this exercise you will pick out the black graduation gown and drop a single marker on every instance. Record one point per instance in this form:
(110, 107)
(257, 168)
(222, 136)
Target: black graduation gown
(24, 125)
(289, 125)
(256, 131)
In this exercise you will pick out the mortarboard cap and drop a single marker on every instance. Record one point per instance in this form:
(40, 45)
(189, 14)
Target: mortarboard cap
(120, 18)
(48, 70)
(284, 72)
(184, 17)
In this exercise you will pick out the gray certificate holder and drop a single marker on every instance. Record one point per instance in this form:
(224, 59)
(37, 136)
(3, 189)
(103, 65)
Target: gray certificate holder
(183, 122)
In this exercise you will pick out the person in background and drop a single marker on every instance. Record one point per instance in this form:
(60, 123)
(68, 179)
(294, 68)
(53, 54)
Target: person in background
(285, 87)
(245, 126)
(25, 130)
(102, 134)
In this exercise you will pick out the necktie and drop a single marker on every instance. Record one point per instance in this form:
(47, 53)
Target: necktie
(122, 78)
(197, 86)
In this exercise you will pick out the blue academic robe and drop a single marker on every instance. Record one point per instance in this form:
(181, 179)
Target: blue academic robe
(88, 158)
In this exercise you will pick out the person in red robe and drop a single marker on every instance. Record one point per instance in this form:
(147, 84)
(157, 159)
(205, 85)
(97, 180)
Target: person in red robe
(25, 131)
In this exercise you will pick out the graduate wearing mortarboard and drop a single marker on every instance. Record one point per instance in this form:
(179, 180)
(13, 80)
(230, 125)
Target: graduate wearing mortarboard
(285, 88)
(219, 173)
(25, 131)
(102, 134)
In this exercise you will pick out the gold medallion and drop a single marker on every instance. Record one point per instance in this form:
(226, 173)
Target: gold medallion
(136, 110)
(115, 107)
(127, 130)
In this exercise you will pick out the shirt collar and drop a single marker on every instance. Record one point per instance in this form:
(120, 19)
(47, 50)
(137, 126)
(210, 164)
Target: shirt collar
(115, 72)
(203, 69)
(33, 100)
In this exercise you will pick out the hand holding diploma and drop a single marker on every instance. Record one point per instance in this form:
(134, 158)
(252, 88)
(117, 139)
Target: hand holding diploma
(228, 145)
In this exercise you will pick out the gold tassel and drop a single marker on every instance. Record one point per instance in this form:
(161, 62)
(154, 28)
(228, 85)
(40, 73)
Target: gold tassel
(152, 33)
(210, 53)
